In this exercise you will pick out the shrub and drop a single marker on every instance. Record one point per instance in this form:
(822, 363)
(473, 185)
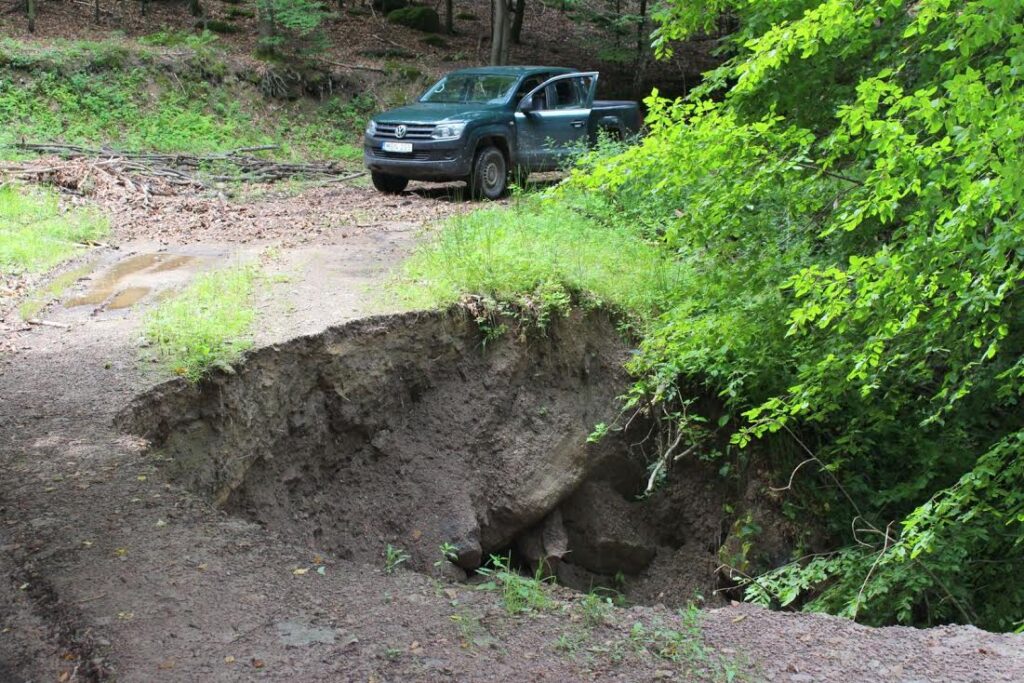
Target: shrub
(419, 18)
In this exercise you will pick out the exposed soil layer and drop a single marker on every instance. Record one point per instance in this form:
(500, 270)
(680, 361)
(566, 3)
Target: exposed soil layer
(416, 431)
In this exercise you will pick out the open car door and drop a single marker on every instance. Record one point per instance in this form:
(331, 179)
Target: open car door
(552, 120)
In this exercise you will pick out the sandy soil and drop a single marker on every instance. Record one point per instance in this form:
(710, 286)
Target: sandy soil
(115, 573)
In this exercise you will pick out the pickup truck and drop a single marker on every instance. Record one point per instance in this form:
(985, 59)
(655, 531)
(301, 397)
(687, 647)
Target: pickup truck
(479, 125)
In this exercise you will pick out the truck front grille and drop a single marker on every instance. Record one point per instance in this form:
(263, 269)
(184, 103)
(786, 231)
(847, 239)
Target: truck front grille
(413, 131)
(415, 156)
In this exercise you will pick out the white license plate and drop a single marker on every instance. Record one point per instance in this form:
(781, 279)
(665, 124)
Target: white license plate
(402, 147)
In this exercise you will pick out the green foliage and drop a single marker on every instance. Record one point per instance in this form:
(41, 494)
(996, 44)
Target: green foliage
(519, 594)
(394, 558)
(420, 18)
(37, 233)
(449, 553)
(217, 26)
(534, 254)
(295, 26)
(838, 212)
(683, 642)
(206, 325)
(872, 202)
(595, 609)
(139, 101)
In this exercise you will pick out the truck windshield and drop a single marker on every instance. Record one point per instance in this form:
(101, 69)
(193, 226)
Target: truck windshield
(475, 88)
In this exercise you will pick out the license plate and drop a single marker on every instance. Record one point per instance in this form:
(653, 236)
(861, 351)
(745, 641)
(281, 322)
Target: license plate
(402, 147)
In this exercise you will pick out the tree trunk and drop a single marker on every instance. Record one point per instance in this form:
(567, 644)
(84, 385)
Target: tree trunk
(31, 16)
(501, 29)
(517, 22)
(449, 20)
(96, 11)
(265, 23)
(643, 49)
(195, 8)
(143, 4)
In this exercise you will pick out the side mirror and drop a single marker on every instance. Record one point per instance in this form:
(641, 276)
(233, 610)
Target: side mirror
(527, 104)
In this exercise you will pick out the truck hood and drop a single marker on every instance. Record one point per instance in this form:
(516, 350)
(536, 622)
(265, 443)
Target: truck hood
(429, 112)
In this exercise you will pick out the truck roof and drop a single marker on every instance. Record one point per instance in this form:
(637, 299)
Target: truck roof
(514, 70)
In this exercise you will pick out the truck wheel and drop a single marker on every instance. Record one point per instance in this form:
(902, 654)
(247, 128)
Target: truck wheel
(490, 174)
(388, 184)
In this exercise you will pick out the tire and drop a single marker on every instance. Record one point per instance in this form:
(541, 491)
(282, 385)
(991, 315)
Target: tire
(387, 183)
(490, 174)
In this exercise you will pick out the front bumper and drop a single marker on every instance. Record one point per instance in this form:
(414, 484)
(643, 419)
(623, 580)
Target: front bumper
(434, 160)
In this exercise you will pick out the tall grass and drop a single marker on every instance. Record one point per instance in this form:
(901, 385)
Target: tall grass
(208, 324)
(37, 234)
(504, 253)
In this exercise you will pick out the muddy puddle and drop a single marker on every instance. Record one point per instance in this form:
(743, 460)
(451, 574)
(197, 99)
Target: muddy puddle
(410, 431)
(132, 279)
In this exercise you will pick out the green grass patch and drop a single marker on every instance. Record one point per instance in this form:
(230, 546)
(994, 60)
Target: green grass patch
(134, 95)
(36, 233)
(533, 247)
(207, 325)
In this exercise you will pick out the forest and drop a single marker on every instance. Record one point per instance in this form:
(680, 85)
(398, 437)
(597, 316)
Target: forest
(813, 248)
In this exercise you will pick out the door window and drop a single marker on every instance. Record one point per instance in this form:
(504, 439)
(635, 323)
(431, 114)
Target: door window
(529, 84)
(568, 93)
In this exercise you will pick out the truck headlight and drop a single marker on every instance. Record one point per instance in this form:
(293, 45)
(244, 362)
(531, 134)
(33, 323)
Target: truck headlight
(448, 131)
(371, 128)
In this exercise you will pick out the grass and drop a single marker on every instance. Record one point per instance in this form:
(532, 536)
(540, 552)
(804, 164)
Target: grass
(684, 644)
(40, 298)
(206, 325)
(539, 248)
(134, 96)
(36, 233)
(519, 593)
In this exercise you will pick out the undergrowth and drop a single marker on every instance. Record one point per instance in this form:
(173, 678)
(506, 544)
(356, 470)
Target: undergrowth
(519, 594)
(208, 324)
(37, 233)
(139, 97)
(539, 254)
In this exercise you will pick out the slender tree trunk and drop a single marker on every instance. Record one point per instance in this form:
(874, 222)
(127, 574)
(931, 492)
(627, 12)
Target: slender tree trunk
(96, 11)
(500, 30)
(265, 22)
(31, 16)
(517, 22)
(449, 20)
(643, 49)
(143, 4)
(194, 8)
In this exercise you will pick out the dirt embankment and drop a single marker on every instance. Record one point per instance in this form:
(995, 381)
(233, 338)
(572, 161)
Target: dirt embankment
(151, 582)
(416, 431)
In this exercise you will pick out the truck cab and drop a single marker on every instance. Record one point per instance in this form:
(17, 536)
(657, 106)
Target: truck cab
(479, 125)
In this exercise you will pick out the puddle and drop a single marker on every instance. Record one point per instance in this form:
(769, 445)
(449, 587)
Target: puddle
(128, 297)
(131, 280)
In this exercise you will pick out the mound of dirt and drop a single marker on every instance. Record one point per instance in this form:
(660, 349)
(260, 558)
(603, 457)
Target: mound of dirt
(410, 430)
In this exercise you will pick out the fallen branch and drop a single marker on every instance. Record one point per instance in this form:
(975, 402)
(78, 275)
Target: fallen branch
(353, 67)
(48, 323)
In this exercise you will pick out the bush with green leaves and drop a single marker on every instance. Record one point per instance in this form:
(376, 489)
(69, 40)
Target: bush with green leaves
(841, 206)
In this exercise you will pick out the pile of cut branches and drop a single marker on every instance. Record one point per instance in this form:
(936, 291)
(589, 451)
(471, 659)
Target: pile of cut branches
(149, 173)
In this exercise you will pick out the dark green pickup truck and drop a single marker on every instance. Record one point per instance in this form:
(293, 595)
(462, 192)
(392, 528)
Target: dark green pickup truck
(478, 125)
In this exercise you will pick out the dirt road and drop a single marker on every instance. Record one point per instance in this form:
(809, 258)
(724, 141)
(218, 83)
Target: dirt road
(116, 573)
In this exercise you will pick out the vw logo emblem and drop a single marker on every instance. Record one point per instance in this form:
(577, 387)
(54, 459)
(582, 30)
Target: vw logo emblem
(400, 131)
